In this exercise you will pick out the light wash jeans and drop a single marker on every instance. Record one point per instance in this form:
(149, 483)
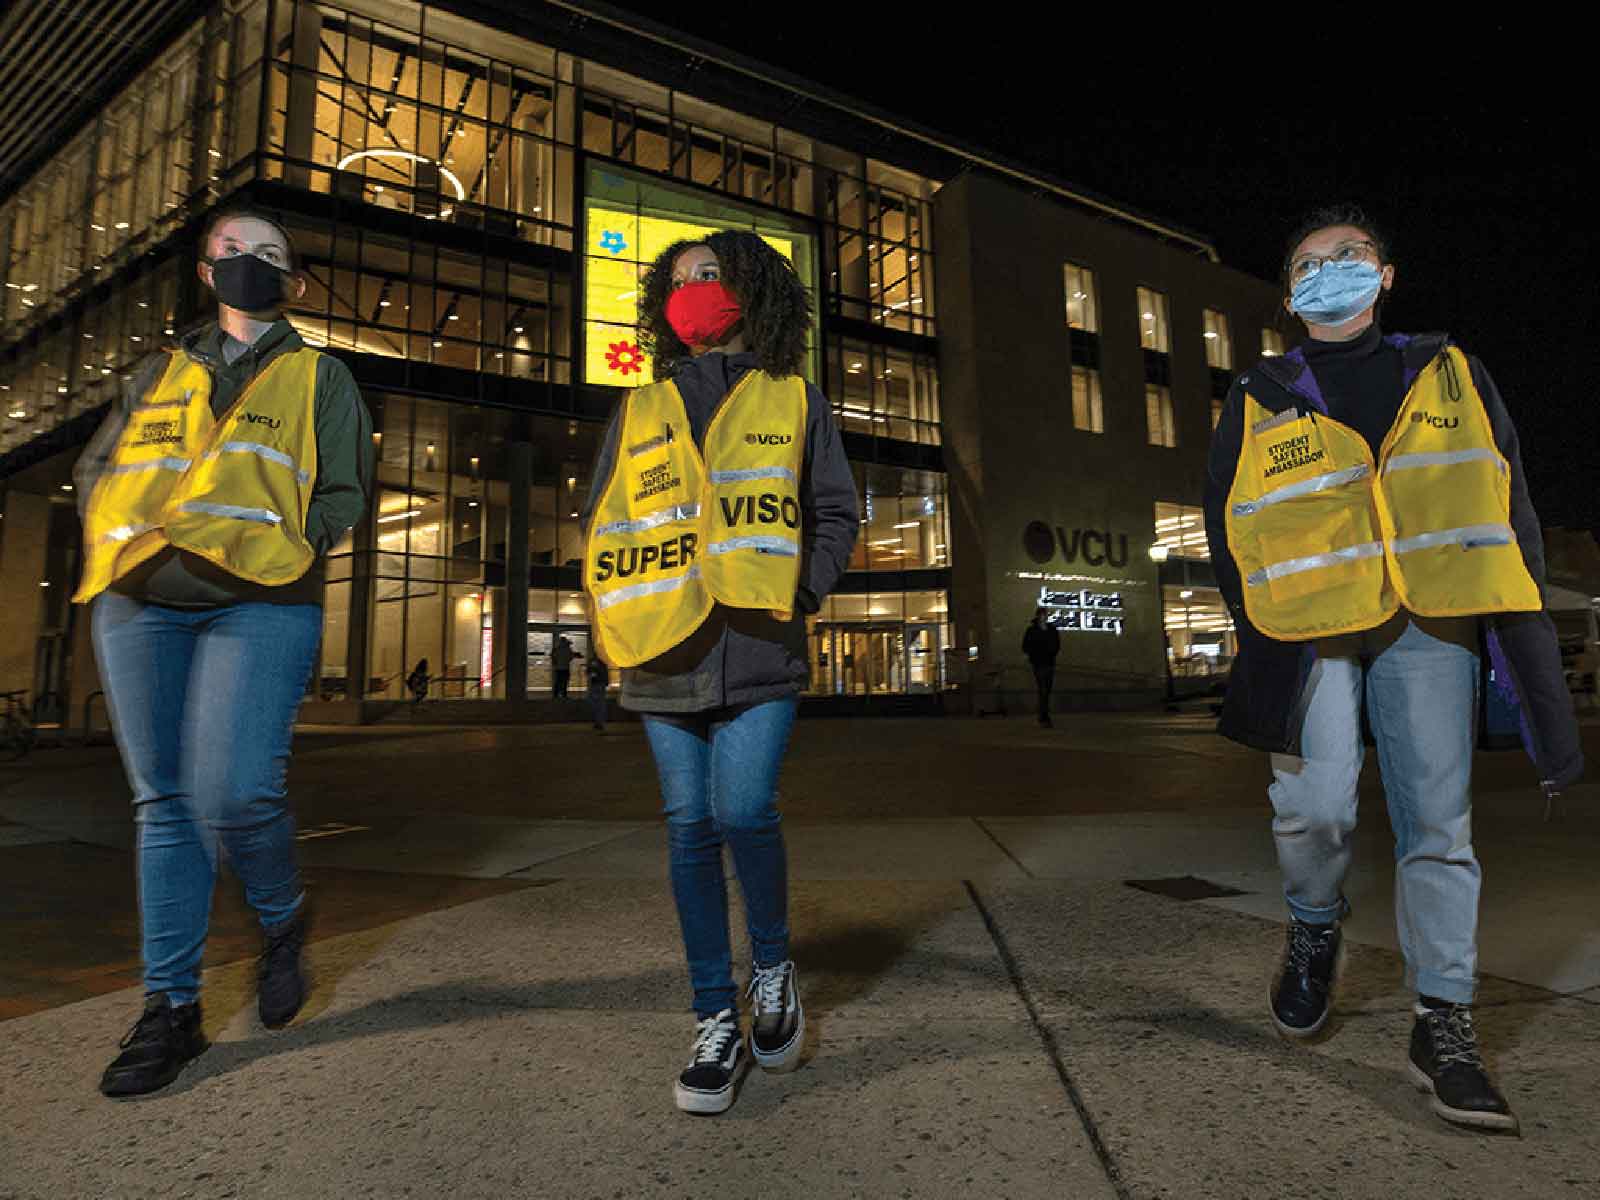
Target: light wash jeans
(719, 783)
(1420, 678)
(202, 703)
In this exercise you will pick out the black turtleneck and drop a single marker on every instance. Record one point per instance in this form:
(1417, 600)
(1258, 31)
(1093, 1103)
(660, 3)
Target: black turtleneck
(1362, 382)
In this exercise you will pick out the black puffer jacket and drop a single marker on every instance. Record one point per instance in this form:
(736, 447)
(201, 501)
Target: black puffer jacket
(1266, 699)
(741, 656)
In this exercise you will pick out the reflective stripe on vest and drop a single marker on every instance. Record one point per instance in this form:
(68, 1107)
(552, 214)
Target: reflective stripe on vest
(1327, 544)
(669, 538)
(665, 516)
(233, 491)
(266, 452)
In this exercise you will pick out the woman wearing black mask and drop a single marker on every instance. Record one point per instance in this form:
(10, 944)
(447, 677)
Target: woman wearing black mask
(234, 462)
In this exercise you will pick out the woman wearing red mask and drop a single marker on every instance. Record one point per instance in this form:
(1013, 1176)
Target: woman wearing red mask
(723, 511)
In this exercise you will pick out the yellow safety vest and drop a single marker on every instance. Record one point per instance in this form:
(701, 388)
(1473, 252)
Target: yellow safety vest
(233, 491)
(1328, 542)
(670, 537)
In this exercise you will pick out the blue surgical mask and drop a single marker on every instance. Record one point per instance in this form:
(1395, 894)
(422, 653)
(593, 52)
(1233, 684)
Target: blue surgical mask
(1337, 292)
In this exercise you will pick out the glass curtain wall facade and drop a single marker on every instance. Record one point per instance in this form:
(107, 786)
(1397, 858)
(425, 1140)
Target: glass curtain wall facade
(435, 174)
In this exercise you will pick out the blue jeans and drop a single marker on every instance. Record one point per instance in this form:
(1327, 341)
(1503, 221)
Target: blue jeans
(1420, 678)
(597, 704)
(719, 780)
(202, 703)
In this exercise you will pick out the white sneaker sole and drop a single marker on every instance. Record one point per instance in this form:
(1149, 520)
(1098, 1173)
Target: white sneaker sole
(709, 1104)
(1505, 1122)
(777, 1062)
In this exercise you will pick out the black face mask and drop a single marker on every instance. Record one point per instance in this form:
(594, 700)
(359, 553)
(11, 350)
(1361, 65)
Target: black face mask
(247, 283)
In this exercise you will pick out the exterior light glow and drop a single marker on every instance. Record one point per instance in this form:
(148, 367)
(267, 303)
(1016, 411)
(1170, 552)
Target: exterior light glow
(1158, 553)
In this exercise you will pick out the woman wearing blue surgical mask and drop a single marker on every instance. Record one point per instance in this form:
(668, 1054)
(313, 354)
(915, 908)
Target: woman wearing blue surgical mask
(1373, 537)
(234, 461)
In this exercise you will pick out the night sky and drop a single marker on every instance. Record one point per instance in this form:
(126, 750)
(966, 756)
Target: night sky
(1470, 145)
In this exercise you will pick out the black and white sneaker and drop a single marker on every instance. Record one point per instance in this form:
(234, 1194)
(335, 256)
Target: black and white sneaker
(716, 1064)
(1445, 1061)
(778, 1022)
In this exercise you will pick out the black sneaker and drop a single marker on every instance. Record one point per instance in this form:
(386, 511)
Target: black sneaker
(1302, 994)
(161, 1043)
(778, 1022)
(280, 975)
(1445, 1062)
(716, 1064)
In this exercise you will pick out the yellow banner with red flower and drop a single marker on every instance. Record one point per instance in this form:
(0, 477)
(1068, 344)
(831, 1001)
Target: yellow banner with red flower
(619, 246)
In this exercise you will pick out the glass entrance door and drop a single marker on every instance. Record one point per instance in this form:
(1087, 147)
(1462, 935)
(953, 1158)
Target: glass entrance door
(542, 639)
(923, 658)
(859, 659)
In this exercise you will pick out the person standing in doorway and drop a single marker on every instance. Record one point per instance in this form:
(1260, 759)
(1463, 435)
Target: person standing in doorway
(1042, 644)
(418, 681)
(599, 679)
(236, 460)
(561, 667)
(723, 512)
(1371, 530)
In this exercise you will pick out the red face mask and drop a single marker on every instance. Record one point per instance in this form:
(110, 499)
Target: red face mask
(702, 313)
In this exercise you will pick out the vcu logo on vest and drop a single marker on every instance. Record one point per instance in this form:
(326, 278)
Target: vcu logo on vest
(768, 439)
(1437, 422)
(262, 419)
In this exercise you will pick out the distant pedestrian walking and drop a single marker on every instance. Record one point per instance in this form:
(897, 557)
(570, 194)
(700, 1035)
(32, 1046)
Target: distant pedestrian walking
(561, 667)
(204, 520)
(723, 512)
(1042, 644)
(599, 677)
(417, 682)
(1371, 533)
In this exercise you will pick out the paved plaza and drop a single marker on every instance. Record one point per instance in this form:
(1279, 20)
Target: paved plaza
(1035, 964)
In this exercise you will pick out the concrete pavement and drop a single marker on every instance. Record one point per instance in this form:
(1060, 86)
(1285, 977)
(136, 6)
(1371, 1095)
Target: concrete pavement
(994, 1009)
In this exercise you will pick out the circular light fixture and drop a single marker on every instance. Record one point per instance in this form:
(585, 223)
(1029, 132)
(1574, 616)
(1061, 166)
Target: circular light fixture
(408, 156)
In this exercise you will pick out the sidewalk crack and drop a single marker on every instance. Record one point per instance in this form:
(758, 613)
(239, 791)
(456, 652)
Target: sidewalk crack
(1048, 1040)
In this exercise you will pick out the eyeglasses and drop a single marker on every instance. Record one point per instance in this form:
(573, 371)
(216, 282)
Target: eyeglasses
(1303, 268)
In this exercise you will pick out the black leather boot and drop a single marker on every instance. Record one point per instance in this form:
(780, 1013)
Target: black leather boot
(1445, 1062)
(1302, 995)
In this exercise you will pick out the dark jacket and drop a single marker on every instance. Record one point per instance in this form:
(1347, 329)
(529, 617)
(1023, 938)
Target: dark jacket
(339, 495)
(742, 656)
(1042, 644)
(1266, 698)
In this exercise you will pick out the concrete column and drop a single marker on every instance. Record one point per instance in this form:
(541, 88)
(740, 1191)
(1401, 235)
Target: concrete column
(300, 126)
(520, 484)
(23, 542)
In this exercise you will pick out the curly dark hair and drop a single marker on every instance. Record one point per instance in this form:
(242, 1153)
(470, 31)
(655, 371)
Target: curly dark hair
(776, 306)
(1328, 215)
